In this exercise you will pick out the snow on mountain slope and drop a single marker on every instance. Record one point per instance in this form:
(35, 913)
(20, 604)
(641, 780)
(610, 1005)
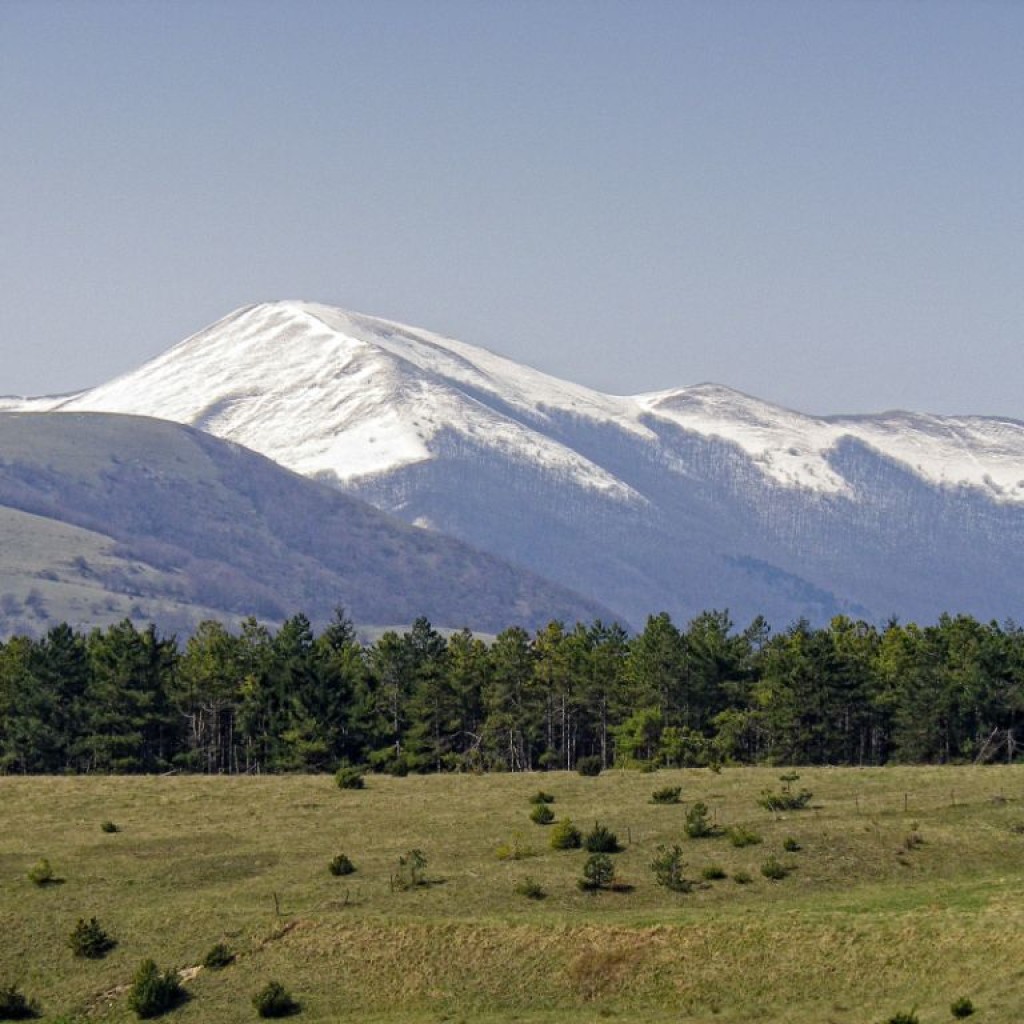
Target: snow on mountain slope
(793, 449)
(786, 446)
(328, 392)
(325, 392)
(975, 451)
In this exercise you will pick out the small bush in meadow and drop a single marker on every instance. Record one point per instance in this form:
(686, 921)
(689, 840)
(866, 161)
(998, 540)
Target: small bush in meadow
(601, 840)
(790, 845)
(341, 865)
(961, 1007)
(785, 799)
(15, 1006)
(542, 814)
(218, 957)
(590, 765)
(740, 836)
(540, 797)
(598, 873)
(697, 825)
(668, 869)
(348, 777)
(274, 1000)
(713, 873)
(531, 889)
(109, 827)
(89, 940)
(903, 1018)
(666, 795)
(774, 869)
(411, 870)
(742, 877)
(515, 850)
(152, 992)
(566, 836)
(41, 873)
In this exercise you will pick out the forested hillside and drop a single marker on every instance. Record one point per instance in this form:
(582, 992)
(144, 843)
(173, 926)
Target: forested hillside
(131, 700)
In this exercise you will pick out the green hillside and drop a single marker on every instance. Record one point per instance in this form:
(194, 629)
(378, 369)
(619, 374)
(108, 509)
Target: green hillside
(903, 894)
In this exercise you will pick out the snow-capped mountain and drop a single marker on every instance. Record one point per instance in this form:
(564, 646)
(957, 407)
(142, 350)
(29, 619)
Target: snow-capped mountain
(682, 500)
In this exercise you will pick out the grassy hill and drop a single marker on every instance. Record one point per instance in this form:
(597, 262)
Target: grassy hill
(104, 517)
(904, 893)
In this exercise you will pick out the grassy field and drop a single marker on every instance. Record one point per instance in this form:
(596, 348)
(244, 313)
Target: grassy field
(905, 894)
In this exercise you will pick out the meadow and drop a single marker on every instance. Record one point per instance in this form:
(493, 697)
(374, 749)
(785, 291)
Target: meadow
(904, 895)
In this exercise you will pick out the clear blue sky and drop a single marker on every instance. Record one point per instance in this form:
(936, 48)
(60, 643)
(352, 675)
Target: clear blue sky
(820, 203)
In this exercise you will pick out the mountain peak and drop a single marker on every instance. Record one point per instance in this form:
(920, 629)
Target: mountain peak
(332, 392)
(690, 494)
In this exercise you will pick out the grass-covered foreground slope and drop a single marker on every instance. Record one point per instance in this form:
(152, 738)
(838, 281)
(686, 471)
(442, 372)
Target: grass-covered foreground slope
(904, 894)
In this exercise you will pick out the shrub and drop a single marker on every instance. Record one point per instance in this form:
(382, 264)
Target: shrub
(566, 836)
(912, 841)
(89, 940)
(109, 827)
(218, 957)
(740, 836)
(666, 795)
(785, 799)
(542, 814)
(713, 873)
(540, 797)
(41, 873)
(531, 889)
(598, 873)
(341, 865)
(14, 1005)
(697, 825)
(668, 869)
(590, 765)
(774, 869)
(348, 777)
(410, 873)
(790, 845)
(742, 877)
(153, 993)
(601, 840)
(962, 1007)
(903, 1018)
(274, 1000)
(515, 850)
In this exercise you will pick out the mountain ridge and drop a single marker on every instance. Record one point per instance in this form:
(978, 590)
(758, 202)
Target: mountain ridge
(707, 408)
(681, 499)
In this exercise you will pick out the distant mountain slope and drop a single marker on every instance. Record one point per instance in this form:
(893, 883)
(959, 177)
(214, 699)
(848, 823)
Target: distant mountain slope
(680, 500)
(103, 516)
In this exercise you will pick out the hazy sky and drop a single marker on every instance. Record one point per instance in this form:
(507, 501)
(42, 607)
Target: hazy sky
(818, 203)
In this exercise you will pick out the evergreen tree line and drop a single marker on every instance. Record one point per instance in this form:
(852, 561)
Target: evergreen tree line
(126, 699)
